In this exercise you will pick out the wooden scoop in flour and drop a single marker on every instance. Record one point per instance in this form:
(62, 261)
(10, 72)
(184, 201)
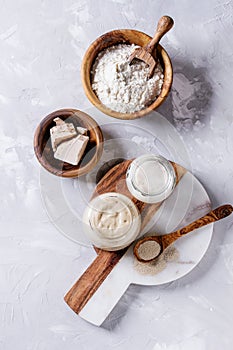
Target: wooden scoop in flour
(145, 53)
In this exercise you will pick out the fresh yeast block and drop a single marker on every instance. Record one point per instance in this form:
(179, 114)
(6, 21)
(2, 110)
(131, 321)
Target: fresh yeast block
(61, 132)
(71, 151)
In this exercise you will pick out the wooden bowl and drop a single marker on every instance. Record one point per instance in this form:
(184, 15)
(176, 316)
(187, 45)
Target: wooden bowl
(45, 154)
(126, 36)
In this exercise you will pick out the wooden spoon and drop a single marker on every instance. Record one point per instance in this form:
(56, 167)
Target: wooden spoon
(149, 248)
(145, 53)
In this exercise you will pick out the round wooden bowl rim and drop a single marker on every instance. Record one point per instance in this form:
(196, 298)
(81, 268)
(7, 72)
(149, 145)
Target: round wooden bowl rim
(71, 173)
(85, 76)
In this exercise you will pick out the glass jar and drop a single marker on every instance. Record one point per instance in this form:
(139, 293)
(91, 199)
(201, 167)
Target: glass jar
(151, 178)
(111, 221)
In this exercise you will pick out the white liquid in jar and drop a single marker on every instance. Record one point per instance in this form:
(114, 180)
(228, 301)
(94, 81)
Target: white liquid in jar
(150, 177)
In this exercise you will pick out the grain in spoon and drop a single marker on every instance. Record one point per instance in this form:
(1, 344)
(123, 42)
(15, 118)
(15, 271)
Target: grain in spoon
(149, 248)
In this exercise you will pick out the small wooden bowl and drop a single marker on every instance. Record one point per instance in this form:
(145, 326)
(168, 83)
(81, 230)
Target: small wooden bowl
(126, 36)
(45, 154)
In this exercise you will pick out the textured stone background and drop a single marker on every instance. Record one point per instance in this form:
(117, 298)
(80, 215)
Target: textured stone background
(41, 47)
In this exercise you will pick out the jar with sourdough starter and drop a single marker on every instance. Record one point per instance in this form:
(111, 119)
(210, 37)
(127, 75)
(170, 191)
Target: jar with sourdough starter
(151, 178)
(111, 221)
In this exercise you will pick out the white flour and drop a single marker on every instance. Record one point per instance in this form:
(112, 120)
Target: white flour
(123, 87)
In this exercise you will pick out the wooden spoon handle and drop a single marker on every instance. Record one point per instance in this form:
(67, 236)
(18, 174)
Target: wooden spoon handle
(214, 215)
(164, 25)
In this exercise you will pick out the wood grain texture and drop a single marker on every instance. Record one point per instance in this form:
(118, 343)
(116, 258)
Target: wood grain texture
(44, 151)
(88, 283)
(144, 54)
(166, 240)
(91, 279)
(106, 167)
(126, 36)
(165, 23)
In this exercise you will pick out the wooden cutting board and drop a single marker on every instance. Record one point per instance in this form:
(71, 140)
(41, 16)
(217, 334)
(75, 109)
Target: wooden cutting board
(114, 181)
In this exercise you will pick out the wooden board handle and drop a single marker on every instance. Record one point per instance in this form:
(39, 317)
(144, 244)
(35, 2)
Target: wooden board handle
(91, 279)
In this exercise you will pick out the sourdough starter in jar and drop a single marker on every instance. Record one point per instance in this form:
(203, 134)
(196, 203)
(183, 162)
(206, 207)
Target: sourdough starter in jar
(111, 221)
(150, 178)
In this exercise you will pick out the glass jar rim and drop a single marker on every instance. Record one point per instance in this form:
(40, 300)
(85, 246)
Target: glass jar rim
(118, 241)
(161, 194)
